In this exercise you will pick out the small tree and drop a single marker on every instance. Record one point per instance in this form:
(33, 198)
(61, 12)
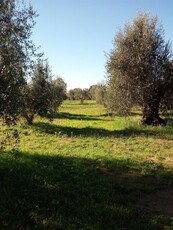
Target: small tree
(86, 94)
(43, 95)
(139, 69)
(41, 81)
(71, 94)
(79, 95)
(58, 95)
(37, 94)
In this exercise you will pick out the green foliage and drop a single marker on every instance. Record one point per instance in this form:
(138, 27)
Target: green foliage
(92, 91)
(71, 94)
(95, 92)
(43, 95)
(16, 53)
(78, 94)
(58, 93)
(41, 87)
(118, 98)
(100, 93)
(139, 69)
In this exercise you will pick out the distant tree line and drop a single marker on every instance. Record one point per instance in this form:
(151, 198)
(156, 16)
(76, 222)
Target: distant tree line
(95, 92)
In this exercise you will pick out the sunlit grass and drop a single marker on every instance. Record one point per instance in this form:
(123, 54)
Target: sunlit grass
(86, 170)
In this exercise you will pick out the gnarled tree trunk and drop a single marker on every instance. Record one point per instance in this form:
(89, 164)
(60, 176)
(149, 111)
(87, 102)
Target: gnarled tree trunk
(151, 115)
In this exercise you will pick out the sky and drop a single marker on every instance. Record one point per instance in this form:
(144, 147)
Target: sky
(76, 35)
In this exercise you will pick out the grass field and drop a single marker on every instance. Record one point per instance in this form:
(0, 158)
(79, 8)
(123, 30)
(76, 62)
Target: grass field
(86, 170)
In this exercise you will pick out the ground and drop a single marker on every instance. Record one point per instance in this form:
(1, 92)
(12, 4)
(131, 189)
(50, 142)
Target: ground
(87, 170)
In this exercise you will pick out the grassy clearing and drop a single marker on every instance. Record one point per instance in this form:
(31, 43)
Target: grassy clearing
(86, 170)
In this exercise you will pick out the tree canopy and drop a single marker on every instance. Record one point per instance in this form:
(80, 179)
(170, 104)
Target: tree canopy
(16, 53)
(43, 95)
(140, 69)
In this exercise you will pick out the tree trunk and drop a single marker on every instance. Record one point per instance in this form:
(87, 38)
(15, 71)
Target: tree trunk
(151, 116)
(29, 118)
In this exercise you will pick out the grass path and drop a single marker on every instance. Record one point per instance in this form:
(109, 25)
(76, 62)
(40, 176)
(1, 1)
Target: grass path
(86, 170)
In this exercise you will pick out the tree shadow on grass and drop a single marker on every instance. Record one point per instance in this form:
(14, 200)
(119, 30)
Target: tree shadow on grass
(71, 116)
(88, 131)
(78, 103)
(131, 114)
(56, 192)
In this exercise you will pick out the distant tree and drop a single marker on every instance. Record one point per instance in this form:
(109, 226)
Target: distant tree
(71, 94)
(100, 93)
(58, 94)
(60, 83)
(86, 94)
(16, 53)
(92, 91)
(140, 70)
(78, 94)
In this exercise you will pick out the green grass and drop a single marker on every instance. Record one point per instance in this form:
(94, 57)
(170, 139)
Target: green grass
(87, 170)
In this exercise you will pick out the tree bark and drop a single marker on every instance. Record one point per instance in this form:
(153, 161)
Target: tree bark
(151, 116)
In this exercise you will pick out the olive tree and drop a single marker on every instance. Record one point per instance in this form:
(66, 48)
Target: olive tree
(139, 69)
(43, 95)
(37, 93)
(42, 77)
(100, 93)
(92, 89)
(16, 53)
(58, 93)
(71, 94)
(78, 94)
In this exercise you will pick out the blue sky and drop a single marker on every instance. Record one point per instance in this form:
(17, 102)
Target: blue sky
(75, 34)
